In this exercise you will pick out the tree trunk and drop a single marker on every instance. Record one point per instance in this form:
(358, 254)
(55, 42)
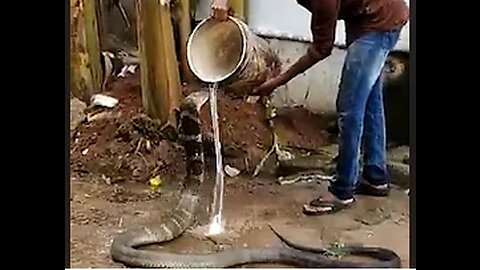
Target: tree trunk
(102, 23)
(85, 68)
(183, 21)
(158, 63)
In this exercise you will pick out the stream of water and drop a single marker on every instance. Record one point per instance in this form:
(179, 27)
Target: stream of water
(216, 223)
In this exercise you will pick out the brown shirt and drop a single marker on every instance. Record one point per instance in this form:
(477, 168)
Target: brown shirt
(360, 16)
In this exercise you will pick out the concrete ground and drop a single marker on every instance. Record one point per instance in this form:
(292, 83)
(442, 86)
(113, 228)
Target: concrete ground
(100, 210)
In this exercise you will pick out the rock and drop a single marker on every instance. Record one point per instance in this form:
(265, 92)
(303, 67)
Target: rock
(253, 99)
(104, 101)
(77, 114)
(99, 116)
(399, 154)
(399, 173)
(406, 160)
(231, 171)
(330, 150)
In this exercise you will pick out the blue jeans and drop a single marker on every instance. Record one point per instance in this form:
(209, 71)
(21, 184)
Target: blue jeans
(360, 112)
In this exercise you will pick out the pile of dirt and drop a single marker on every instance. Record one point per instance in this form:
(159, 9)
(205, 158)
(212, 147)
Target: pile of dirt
(246, 135)
(242, 124)
(299, 127)
(124, 144)
(244, 132)
(106, 146)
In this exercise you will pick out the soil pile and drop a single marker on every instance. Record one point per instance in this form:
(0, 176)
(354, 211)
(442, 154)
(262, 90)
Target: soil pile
(122, 143)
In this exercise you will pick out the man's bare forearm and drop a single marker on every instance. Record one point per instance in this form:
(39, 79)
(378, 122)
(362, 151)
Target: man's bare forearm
(301, 65)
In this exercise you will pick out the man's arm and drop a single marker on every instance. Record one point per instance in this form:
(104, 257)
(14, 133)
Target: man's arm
(323, 24)
(220, 9)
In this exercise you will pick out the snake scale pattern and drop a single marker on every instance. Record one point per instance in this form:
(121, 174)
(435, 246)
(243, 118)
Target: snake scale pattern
(125, 246)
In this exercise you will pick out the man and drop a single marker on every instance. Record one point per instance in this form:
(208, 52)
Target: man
(372, 30)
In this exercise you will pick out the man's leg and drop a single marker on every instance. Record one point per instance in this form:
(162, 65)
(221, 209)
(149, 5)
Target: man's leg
(363, 65)
(374, 136)
(374, 157)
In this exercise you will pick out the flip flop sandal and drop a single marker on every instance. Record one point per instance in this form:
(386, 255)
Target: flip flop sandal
(364, 188)
(320, 206)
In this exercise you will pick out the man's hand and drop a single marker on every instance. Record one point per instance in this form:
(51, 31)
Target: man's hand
(301, 65)
(220, 10)
(268, 86)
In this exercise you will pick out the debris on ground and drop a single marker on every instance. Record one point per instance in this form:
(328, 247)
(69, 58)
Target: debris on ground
(231, 171)
(299, 127)
(399, 173)
(123, 143)
(374, 216)
(400, 154)
(103, 101)
(308, 176)
(127, 69)
(253, 99)
(245, 131)
(77, 112)
(155, 182)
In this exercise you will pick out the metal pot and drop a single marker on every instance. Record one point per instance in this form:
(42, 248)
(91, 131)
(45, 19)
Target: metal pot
(228, 53)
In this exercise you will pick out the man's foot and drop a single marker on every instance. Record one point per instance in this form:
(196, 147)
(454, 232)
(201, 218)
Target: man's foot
(326, 204)
(365, 188)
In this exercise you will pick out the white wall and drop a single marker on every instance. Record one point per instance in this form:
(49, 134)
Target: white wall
(321, 81)
(286, 18)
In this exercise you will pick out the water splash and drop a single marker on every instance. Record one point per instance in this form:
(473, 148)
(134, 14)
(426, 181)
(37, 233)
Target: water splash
(216, 223)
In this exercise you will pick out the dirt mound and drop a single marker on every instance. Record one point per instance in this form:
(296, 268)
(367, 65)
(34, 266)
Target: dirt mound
(300, 128)
(246, 135)
(121, 143)
(124, 144)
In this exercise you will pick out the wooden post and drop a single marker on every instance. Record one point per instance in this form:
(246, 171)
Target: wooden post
(158, 63)
(85, 68)
(102, 23)
(183, 21)
(238, 7)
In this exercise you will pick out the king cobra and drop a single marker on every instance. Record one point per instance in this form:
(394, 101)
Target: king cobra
(125, 246)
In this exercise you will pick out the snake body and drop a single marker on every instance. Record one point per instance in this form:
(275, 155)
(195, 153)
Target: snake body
(125, 246)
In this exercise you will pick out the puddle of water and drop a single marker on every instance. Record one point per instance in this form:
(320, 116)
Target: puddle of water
(216, 221)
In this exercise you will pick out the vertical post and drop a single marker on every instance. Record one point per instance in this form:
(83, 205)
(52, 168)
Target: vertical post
(158, 63)
(85, 69)
(102, 23)
(183, 20)
(238, 7)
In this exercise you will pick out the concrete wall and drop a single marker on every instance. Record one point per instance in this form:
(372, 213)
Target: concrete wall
(288, 19)
(291, 20)
(317, 88)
